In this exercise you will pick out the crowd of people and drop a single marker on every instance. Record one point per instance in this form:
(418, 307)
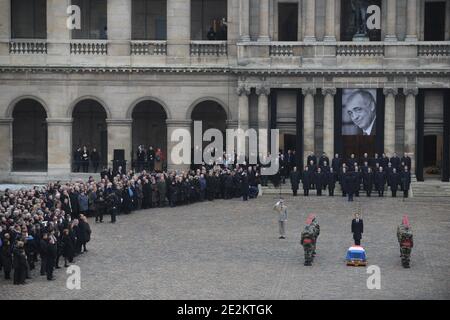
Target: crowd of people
(47, 223)
(39, 225)
(354, 175)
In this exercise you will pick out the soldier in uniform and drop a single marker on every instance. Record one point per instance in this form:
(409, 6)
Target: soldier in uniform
(316, 232)
(405, 239)
(281, 208)
(309, 239)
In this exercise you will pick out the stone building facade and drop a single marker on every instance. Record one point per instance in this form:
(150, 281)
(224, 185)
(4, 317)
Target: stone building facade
(138, 70)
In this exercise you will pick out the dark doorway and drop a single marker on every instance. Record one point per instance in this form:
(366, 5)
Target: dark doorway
(29, 136)
(149, 127)
(89, 129)
(434, 21)
(429, 149)
(287, 22)
(290, 142)
(358, 145)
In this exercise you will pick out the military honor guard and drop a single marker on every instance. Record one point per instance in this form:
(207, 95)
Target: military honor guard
(405, 240)
(281, 208)
(308, 239)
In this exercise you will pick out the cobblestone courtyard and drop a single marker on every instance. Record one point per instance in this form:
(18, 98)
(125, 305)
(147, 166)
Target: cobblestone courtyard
(230, 250)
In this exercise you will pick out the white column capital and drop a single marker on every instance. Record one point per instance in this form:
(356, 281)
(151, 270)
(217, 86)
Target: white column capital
(309, 91)
(411, 91)
(243, 89)
(390, 91)
(262, 90)
(329, 91)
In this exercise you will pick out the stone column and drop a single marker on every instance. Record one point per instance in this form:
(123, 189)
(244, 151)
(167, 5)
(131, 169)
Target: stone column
(264, 21)
(244, 20)
(178, 31)
(391, 34)
(172, 125)
(328, 121)
(119, 27)
(59, 146)
(243, 92)
(411, 23)
(310, 18)
(389, 120)
(308, 122)
(6, 145)
(58, 34)
(119, 137)
(410, 125)
(5, 26)
(330, 34)
(263, 111)
(263, 106)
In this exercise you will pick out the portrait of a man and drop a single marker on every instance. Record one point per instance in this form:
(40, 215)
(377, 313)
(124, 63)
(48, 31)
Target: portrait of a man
(359, 112)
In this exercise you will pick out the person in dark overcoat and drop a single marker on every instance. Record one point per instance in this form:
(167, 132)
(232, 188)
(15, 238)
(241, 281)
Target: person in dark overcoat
(20, 263)
(6, 255)
(380, 181)
(357, 229)
(368, 181)
(68, 246)
(295, 180)
(395, 181)
(405, 181)
(331, 182)
(306, 181)
(319, 181)
(244, 186)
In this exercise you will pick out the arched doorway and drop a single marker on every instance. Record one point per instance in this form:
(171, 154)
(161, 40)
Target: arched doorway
(149, 127)
(29, 136)
(89, 129)
(213, 116)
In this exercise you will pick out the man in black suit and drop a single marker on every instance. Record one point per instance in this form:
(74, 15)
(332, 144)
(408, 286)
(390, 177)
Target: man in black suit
(395, 160)
(406, 160)
(357, 229)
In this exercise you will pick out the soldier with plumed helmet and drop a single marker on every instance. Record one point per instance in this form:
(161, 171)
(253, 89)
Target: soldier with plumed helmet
(405, 239)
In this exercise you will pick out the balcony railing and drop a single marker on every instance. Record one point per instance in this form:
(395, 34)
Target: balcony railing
(281, 49)
(27, 46)
(89, 47)
(360, 49)
(208, 48)
(145, 47)
(435, 49)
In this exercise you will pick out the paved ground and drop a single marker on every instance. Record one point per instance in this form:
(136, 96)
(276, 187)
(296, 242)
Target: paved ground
(230, 250)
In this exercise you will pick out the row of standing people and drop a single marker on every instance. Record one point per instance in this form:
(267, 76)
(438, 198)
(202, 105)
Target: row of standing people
(352, 180)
